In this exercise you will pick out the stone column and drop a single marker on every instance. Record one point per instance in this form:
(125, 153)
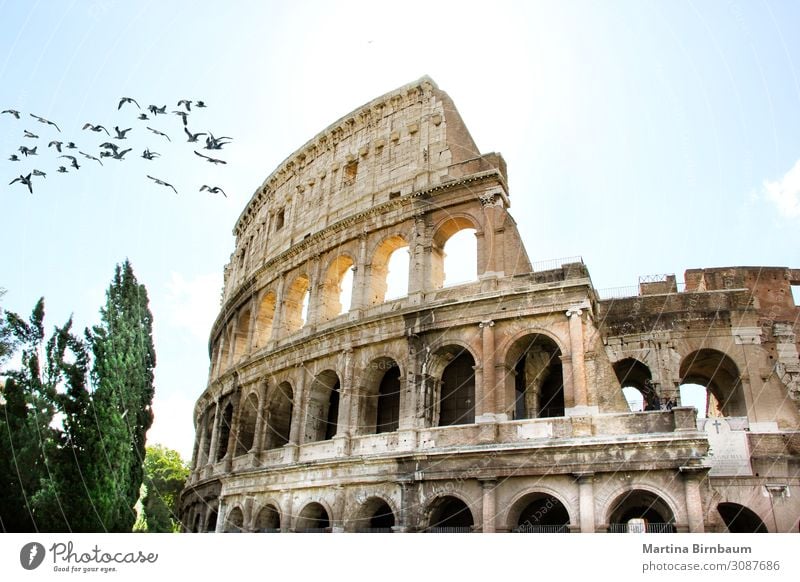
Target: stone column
(485, 397)
(358, 298)
(692, 477)
(251, 331)
(232, 355)
(212, 450)
(577, 363)
(489, 505)
(343, 428)
(486, 243)
(221, 509)
(401, 525)
(277, 318)
(315, 289)
(233, 433)
(586, 503)
(261, 419)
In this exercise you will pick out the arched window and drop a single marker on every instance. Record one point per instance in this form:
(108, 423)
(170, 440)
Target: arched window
(637, 386)
(268, 520)
(640, 509)
(323, 407)
(337, 288)
(224, 432)
(539, 513)
(313, 519)
(538, 377)
(375, 516)
(266, 315)
(295, 304)
(455, 253)
(379, 408)
(457, 392)
(242, 335)
(740, 519)
(247, 425)
(212, 521)
(450, 515)
(720, 376)
(279, 416)
(235, 521)
(389, 271)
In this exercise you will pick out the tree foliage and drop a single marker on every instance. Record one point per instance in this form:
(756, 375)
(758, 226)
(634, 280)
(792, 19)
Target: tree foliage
(74, 415)
(165, 475)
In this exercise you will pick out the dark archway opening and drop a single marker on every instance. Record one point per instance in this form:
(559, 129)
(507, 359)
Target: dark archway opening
(633, 374)
(313, 519)
(641, 509)
(224, 432)
(389, 401)
(740, 519)
(457, 400)
(451, 515)
(543, 514)
(268, 520)
(538, 377)
(279, 417)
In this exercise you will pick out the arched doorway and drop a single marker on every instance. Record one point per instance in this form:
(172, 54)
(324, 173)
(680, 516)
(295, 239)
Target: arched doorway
(268, 520)
(538, 377)
(635, 380)
(720, 375)
(235, 521)
(376, 517)
(640, 509)
(279, 416)
(313, 519)
(457, 391)
(450, 515)
(247, 425)
(379, 407)
(224, 432)
(740, 519)
(323, 407)
(539, 513)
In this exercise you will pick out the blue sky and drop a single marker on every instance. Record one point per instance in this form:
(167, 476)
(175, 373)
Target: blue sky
(647, 137)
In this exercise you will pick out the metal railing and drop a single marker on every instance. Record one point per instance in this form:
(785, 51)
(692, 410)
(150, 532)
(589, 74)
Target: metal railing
(313, 530)
(649, 528)
(467, 529)
(529, 528)
(374, 530)
(550, 264)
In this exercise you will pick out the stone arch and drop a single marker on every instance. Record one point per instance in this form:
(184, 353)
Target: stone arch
(248, 416)
(740, 519)
(536, 375)
(452, 369)
(720, 375)
(379, 267)
(375, 515)
(293, 301)
(379, 399)
(240, 342)
(265, 318)
(522, 498)
(225, 425)
(641, 503)
(635, 375)
(280, 407)
(323, 407)
(445, 230)
(268, 519)
(208, 426)
(315, 517)
(211, 521)
(538, 511)
(234, 520)
(331, 287)
(449, 514)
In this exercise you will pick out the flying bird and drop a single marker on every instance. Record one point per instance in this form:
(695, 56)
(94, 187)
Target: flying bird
(109, 146)
(43, 120)
(39, 173)
(28, 151)
(57, 144)
(213, 190)
(96, 128)
(215, 143)
(155, 131)
(74, 161)
(211, 160)
(121, 132)
(143, 117)
(200, 104)
(162, 183)
(186, 103)
(31, 135)
(183, 115)
(88, 157)
(148, 155)
(62, 170)
(25, 180)
(13, 158)
(118, 155)
(125, 100)
(71, 146)
(192, 136)
(13, 112)
(156, 110)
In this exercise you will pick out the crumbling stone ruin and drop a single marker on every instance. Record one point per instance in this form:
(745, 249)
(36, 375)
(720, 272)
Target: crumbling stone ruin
(492, 406)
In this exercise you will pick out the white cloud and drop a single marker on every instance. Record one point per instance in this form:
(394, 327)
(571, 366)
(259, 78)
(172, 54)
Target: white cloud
(194, 303)
(785, 193)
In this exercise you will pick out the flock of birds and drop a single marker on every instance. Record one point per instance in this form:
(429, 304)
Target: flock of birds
(112, 147)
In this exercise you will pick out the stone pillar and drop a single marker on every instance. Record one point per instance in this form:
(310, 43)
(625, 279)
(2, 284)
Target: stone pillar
(251, 334)
(261, 419)
(485, 397)
(221, 517)
(489, 505)
(212, 451)
(200, 437)
(233, 433)
(692, 477)
(358, 298)
(586, 501)
(577, 362)
(343, 428)
(486, 242)
(316, 287)
(299, 409)
(419, 261)
(277, 318)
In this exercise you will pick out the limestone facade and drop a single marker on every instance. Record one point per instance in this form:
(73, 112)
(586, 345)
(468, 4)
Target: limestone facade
(491, 406)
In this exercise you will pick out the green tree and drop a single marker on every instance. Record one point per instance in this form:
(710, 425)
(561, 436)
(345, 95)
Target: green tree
(124, 360)
(165, 475)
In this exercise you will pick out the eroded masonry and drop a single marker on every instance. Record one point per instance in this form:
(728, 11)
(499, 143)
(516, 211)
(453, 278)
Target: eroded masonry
(508, 403)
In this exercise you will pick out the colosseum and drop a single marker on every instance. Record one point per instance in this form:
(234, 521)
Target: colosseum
(505, 404)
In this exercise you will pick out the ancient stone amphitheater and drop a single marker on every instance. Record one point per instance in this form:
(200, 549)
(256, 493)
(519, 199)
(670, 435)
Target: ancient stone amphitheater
(493, 406)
